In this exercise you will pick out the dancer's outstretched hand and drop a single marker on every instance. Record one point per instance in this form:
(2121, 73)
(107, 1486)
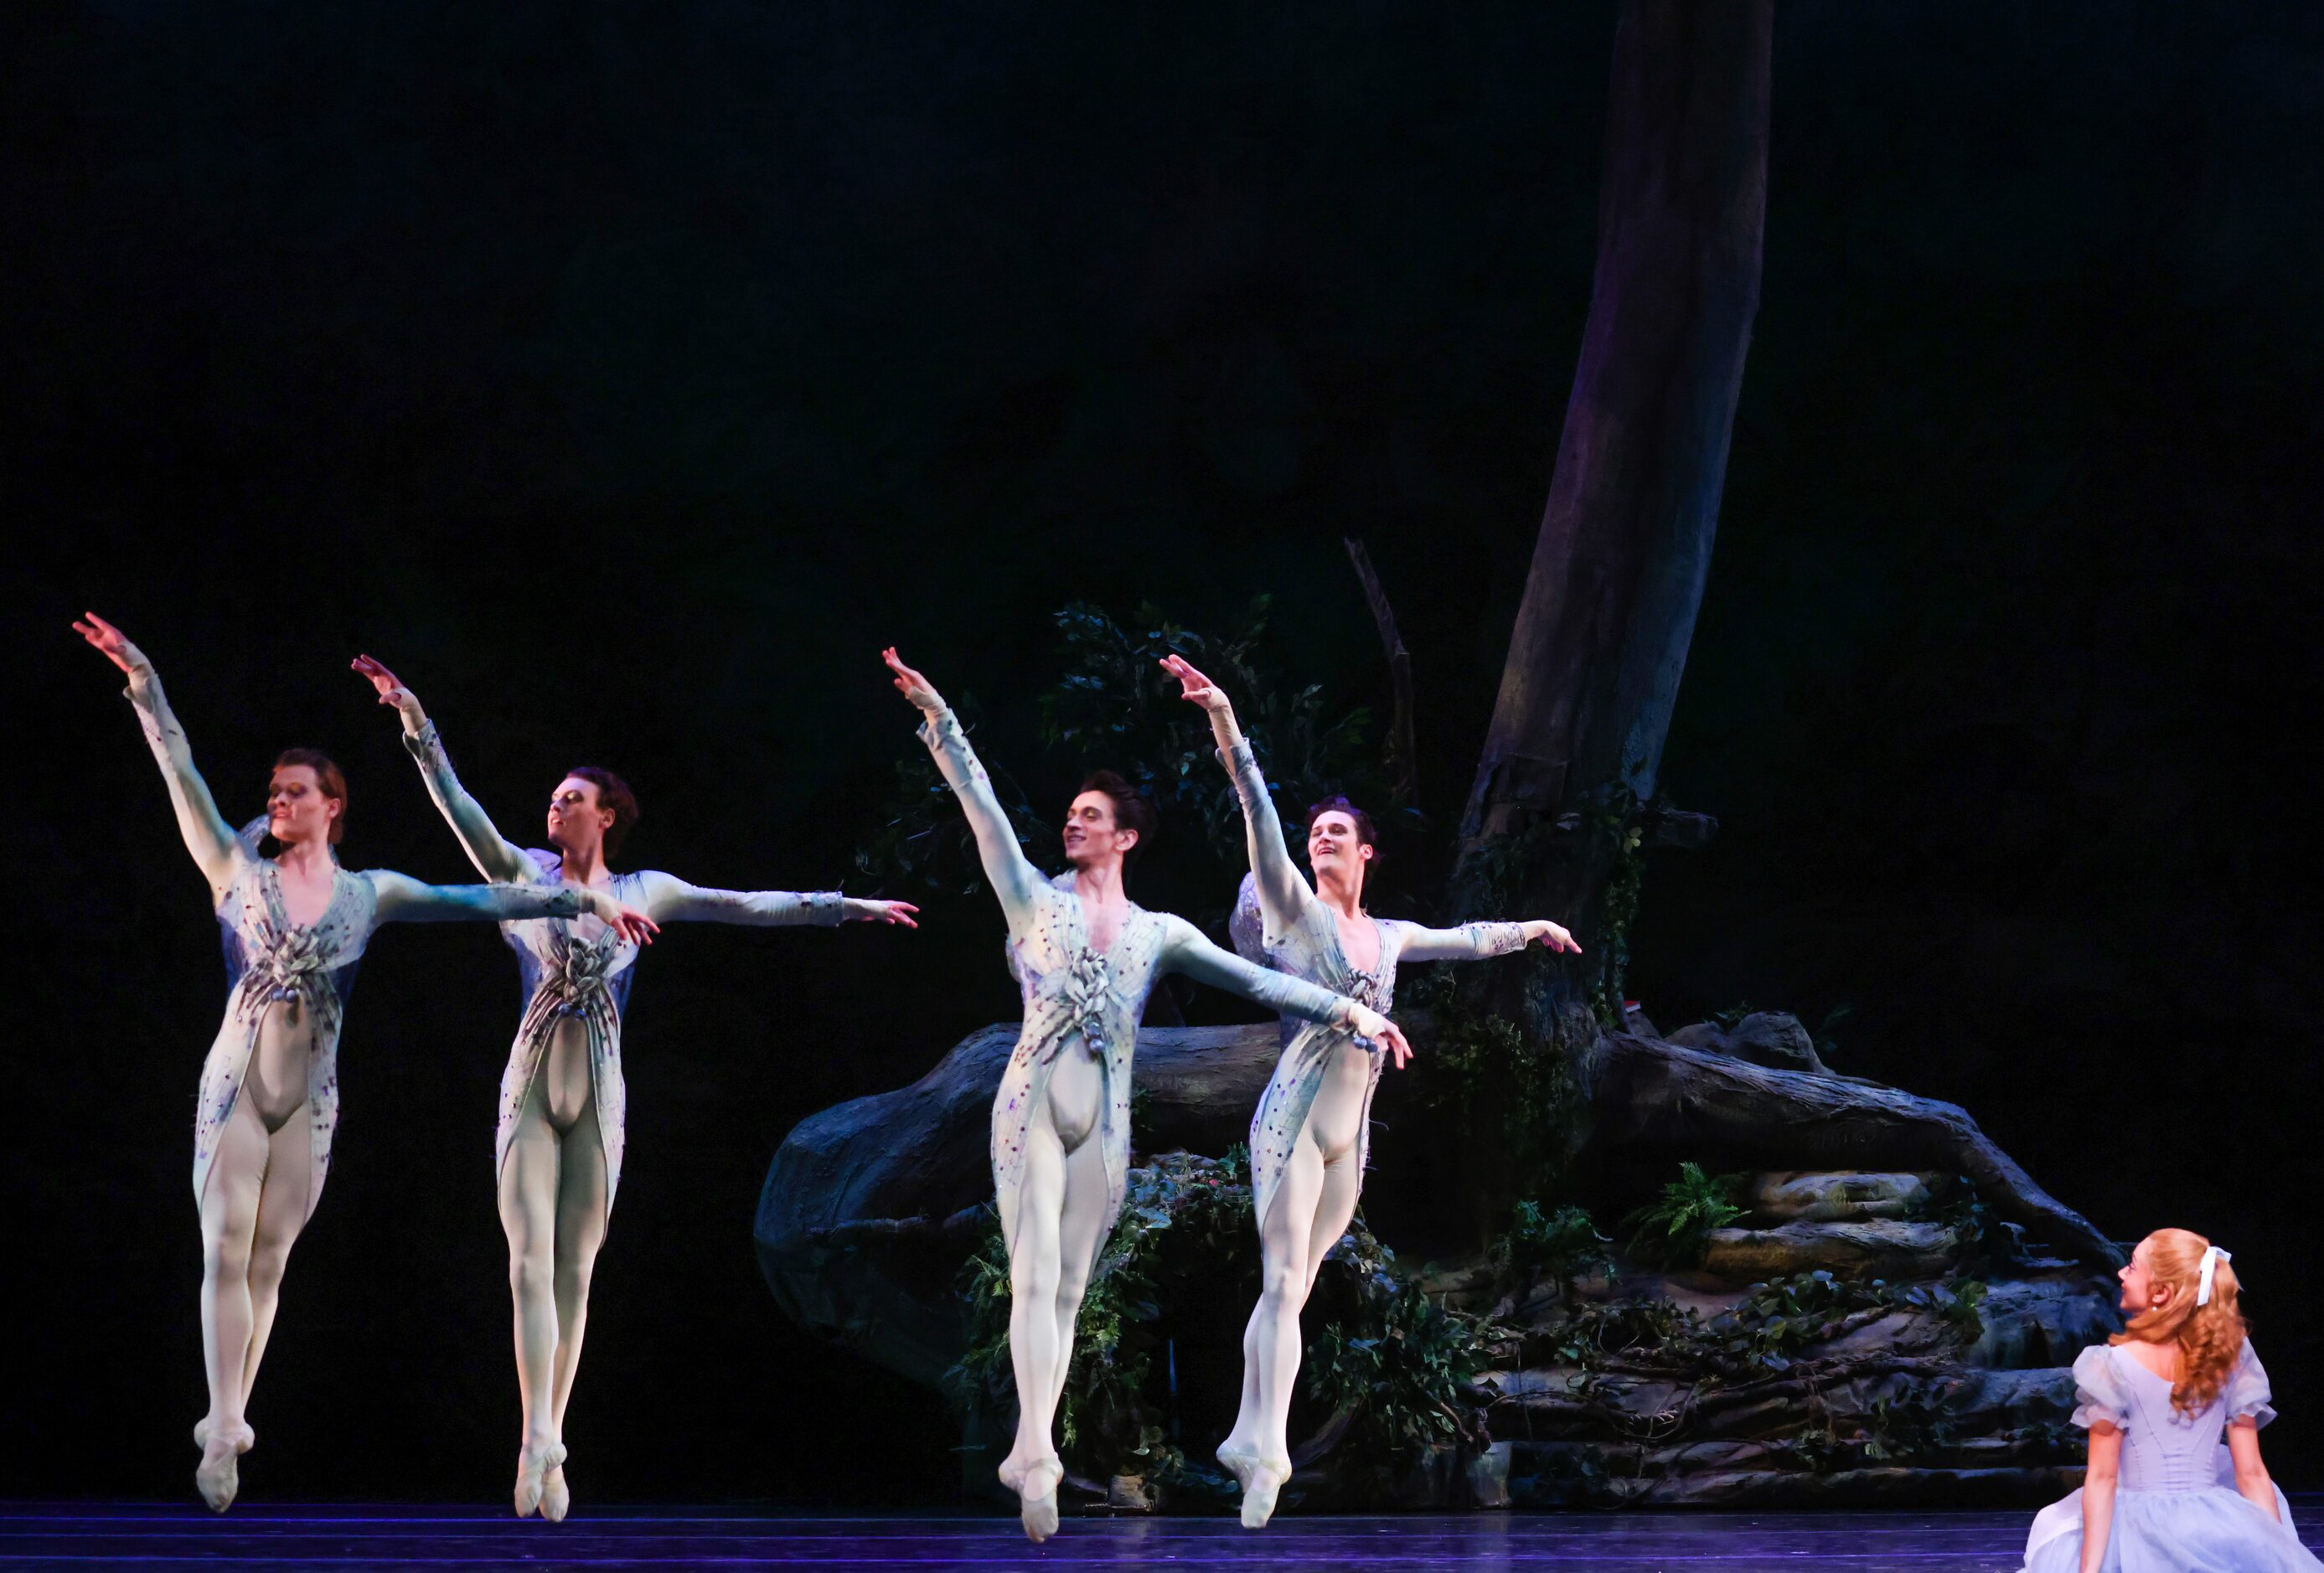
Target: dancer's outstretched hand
(1192, 687)
(855, 909)
(635, 926)
(1550, 936)
(110, 642)
(390, 691)
(1370, 1024)
(910, 684)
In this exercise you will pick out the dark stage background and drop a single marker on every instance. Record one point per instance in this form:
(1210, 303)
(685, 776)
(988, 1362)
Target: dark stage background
(626, 376)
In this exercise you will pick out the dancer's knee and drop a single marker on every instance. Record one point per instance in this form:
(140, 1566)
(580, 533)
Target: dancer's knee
(1283, 1284)
(573, 1281)
(267, 1265)
(224, 1261)
(1034, 1281)
(532, 1274)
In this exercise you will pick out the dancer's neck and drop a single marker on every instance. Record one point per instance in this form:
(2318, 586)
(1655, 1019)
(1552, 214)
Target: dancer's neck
(1345, 900)
(306, 862)
(1099, 884)
(588, 870)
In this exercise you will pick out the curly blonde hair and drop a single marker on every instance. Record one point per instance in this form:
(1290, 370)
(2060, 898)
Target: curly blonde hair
(2211, 1337)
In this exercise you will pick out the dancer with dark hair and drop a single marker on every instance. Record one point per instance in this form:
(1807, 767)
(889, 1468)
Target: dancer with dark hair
(1087, 957)
(2158, 1399)
(295, 924)
(1309, 1134)
(557, 1152)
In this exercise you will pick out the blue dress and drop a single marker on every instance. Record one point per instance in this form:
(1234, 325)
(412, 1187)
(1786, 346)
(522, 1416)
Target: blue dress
(2173, 1511)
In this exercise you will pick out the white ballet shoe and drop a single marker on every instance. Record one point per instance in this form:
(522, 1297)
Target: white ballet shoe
(218, 1477)
(202, 1435)
(556, 1496)
(1236, 1461)
(1037, 1497)
(531, 1466)
(1264, 1483)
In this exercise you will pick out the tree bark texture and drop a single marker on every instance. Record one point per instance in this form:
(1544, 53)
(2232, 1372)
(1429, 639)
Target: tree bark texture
(1619, 567)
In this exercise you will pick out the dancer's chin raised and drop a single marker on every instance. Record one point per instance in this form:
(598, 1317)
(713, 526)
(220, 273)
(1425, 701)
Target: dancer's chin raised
(532, 1465)
(218, 1477)
(1261, 1486)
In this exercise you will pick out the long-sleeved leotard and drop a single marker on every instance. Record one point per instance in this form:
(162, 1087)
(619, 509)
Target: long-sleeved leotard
(581, 969)
(1073, 991)
(1280, 922)
(270, 959)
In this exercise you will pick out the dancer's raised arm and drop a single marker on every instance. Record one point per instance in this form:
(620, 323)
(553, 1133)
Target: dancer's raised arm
(1014, 878)
(403, 899)
(1476, 942)
(496, 857)
(1283, 890)
(207, 836)
(1188, 951)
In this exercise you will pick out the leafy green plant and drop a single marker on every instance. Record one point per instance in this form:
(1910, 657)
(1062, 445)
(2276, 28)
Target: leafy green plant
(1564, 1244)
(1675, 1227)
(1400, 1379)
(1905, 1425)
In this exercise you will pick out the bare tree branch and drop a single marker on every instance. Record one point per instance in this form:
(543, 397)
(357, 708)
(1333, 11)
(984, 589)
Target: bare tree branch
(1403, 756)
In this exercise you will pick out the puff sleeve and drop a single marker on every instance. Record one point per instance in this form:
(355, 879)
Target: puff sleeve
(2098, 1391)
(2247, 1394)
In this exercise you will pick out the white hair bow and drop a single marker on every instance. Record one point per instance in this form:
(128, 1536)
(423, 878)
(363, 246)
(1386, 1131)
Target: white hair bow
(2213, 1257)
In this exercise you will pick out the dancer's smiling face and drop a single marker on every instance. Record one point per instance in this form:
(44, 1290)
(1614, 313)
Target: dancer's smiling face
(1093, 837)
(1336, 848)
(297, 810)
(2142, 1291)
(577, 820)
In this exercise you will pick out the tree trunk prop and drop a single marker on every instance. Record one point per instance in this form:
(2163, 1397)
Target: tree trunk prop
(1619, 567)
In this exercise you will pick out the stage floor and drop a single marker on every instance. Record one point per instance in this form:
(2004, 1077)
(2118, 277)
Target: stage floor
(129, 1535)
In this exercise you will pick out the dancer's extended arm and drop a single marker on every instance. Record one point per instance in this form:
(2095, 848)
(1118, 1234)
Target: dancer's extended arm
(1474, 942)
(403, 899)
(1187, 950)
(207, 834)
(670, 899)
(1014, 878)
(496, 857)
(1282, 892)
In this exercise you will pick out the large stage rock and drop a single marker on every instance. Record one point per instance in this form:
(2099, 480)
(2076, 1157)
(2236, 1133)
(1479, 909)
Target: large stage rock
(1884, 1246)
(1946, 1381)
(870, 1206)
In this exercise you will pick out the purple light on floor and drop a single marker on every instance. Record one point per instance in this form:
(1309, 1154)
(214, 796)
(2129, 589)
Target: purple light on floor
(156, 1534)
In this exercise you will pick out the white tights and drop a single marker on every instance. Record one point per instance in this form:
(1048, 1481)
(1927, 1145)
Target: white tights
(252, 1207)
(553, 1204)
(1310, 1210)
(1060, 1221)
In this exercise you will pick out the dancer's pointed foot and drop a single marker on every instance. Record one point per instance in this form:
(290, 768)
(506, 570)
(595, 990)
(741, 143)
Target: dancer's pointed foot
(1265, 1482)
(556, 1496)
(1237, 1457)
(1036, 1497)
(533, 1462)
(218, 1477)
